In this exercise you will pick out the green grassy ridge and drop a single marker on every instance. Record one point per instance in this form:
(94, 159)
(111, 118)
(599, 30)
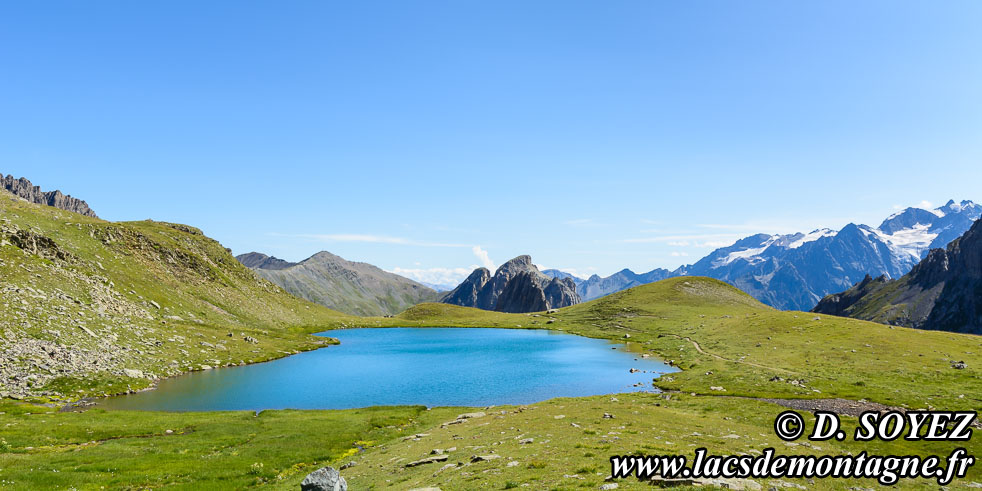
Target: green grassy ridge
(136, 295)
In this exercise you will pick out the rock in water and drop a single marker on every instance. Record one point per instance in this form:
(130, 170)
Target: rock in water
(324, 479)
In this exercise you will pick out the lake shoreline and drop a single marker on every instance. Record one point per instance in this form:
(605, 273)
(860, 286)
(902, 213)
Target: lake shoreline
(550, 373)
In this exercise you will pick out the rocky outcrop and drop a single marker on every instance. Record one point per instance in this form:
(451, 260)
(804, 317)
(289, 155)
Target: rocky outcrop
(24, 189)
(466, 293)
(942, 292)
(840, 303)
(350, 287)
(324, 479)
(517, 286)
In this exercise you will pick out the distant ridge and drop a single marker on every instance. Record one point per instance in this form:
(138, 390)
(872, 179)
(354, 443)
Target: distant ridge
(255, 260)
(943, 292)
(347, 286)
(24, 189)
(794, 271)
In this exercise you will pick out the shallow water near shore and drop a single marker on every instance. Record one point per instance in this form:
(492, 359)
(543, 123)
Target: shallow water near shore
(411, 366)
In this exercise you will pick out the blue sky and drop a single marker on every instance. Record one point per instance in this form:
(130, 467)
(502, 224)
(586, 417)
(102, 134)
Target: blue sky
(430, 137)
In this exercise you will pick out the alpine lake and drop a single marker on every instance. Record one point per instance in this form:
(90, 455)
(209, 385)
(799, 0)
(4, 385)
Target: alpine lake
(412, 366)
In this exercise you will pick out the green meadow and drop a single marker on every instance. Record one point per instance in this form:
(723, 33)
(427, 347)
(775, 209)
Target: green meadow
(163, 299)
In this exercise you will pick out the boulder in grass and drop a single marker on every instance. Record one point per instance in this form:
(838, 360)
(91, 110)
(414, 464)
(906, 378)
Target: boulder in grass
(324, 479)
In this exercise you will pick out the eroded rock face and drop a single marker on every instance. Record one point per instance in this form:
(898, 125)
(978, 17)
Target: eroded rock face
(24, 189)
(517, 286)
(324, 479)
(466, 293)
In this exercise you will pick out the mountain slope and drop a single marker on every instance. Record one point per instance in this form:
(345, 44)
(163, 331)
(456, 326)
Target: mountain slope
(517, 286)
(342, 285)
(942, 292)
(91, 306)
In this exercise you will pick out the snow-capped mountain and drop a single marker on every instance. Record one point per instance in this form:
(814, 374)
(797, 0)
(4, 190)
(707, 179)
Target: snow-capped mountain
(795, 271)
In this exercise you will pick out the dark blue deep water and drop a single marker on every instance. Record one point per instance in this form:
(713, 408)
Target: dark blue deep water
(399, 366)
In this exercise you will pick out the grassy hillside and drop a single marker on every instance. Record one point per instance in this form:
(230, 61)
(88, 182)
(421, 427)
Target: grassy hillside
(726, 344)
(93, 307)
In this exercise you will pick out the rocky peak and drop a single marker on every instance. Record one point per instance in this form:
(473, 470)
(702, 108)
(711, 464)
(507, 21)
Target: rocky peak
(24, 189)
(516, 286)
(466, 293)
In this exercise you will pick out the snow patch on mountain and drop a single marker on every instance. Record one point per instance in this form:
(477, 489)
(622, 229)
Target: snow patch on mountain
(812, 237)
(913, 241)
(750, 255)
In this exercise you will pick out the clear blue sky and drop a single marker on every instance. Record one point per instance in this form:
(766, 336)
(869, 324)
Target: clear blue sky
(591, 135)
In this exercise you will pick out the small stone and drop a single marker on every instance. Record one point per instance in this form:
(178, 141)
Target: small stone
(484, 458)
(428, 460)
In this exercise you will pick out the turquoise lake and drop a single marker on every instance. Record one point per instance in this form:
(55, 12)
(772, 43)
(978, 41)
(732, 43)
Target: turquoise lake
(410, 366)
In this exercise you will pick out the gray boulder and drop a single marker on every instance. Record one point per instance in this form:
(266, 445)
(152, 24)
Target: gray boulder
(324, 479)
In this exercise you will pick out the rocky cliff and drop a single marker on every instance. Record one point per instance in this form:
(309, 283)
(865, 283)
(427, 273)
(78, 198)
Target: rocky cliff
(517, 286)
(347, 286)
(942, 292)
(24, 189)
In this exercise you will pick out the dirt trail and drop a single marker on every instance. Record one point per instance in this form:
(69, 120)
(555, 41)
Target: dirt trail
(718, 357)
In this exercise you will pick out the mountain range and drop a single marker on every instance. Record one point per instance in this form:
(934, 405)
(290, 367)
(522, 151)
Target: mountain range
(794, 271)
(516, 286)
(342, 285)
(942, 292)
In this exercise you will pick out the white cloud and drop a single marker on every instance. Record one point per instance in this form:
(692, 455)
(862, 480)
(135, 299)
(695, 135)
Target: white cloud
(679, 254)
(377, 239)
(436, 276)
(482, 256)
(680, 238)
(927, 205)
(679, 243)
(714, 244)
